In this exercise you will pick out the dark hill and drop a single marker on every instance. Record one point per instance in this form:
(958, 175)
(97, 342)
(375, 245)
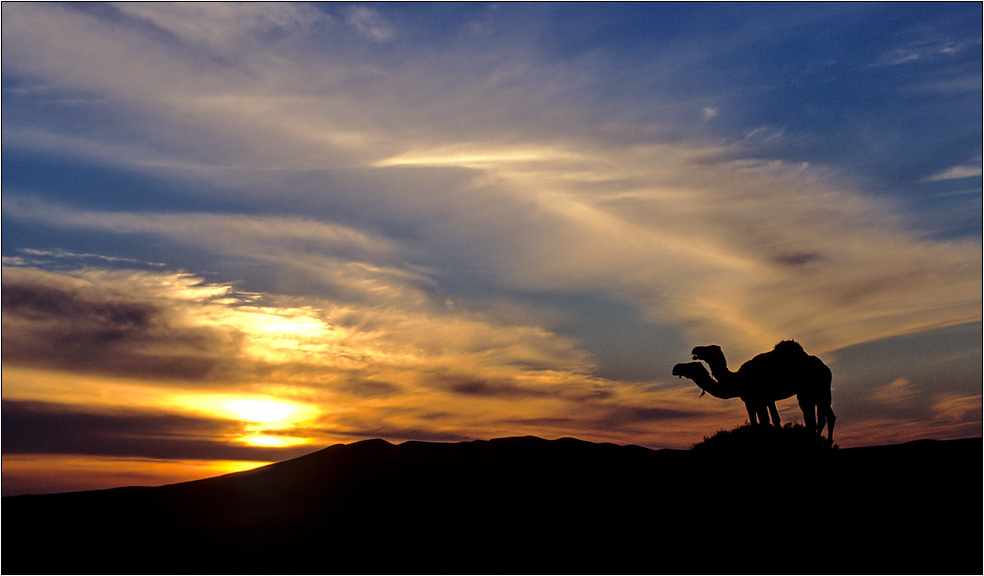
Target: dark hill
(526, 505)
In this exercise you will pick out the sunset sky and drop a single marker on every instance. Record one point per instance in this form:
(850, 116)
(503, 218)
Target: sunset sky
(234, 234)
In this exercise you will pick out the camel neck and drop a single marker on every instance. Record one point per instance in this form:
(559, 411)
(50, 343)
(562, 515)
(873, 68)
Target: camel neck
(720, 370)
(717, 387)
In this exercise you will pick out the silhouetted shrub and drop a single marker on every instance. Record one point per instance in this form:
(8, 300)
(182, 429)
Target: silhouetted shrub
(792, 438)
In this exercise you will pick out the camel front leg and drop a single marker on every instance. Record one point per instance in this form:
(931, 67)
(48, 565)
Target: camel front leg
(828, 413)
(758, 415)
(774, 412)
(763, 415)
(752, 413)
(809, 415)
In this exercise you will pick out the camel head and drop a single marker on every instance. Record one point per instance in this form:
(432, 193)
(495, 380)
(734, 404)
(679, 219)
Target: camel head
(711, 354)
(691, 370)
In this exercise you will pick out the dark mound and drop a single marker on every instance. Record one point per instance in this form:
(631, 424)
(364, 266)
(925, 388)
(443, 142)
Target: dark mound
(525, 505)
(793, 440)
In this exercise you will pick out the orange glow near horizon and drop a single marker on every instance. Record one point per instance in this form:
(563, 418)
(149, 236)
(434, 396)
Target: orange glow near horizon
(271, 441)
(46, 473)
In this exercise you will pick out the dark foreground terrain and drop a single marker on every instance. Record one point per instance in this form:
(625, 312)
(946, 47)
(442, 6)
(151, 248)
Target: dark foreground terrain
(527, 505)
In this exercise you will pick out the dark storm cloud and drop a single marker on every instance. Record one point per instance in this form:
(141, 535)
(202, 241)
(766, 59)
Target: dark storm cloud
(795, 259)
(48, 428)
(51, 323)
(479, 387)
(609, 420)
(615, 418)
(620, 416)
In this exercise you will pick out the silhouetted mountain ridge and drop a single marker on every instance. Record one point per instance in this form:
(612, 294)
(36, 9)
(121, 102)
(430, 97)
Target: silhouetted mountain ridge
(526, 505)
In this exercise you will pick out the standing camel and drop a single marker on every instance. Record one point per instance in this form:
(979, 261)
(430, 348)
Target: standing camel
(785, 371)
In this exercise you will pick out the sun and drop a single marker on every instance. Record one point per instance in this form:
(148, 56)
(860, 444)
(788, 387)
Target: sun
(264, 421)
(260, 411)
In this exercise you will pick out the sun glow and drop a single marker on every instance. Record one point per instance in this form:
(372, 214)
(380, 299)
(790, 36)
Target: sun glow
(296, 323)
(260, 411)
(271, 441)
(266, 421)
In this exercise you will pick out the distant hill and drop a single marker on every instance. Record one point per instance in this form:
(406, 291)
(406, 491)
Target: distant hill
(526, 505)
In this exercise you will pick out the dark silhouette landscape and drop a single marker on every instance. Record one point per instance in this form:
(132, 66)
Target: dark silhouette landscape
(528, 505)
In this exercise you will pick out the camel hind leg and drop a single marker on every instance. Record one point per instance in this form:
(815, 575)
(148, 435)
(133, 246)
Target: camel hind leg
(774, 413)
(826, 413)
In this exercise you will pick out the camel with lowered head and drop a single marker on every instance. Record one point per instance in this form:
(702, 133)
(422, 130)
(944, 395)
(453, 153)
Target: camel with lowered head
(785, 371)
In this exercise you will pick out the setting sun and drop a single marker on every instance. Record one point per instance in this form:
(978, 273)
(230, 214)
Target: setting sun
(264, 409)
(261, 411)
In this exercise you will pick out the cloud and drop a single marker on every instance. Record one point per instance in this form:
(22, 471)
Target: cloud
(226, 25)
(925, 49)
(47, 428)
(370, 23)
(75, 324)
(752, 251)
(958, 409)
(898, 391)
(356, 367)
(300, 252)
(744, 253)
(475, 387)
(956, 173)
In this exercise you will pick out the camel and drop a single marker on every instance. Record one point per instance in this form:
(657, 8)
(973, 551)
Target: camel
(756, 407)
(785, 371)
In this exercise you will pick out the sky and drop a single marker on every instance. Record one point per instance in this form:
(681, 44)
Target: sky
(234, 234)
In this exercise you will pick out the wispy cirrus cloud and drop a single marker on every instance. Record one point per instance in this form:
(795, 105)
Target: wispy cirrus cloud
(527, 200)
(370, 23)
(957, 173)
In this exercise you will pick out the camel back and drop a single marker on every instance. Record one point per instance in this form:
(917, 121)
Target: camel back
(770, 371)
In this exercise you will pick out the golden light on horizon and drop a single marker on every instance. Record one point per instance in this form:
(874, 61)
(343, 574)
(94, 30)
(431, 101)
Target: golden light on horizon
(271, 441)
(25, 473)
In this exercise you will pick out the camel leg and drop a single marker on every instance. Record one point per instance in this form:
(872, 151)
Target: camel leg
(752, 416)
(809, 416)
(763, 416)
(829, 412)
(774, 412)
(756, 414)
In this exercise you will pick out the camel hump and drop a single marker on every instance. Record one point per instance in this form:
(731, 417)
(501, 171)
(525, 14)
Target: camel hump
(789, 348)
(785, 356)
